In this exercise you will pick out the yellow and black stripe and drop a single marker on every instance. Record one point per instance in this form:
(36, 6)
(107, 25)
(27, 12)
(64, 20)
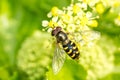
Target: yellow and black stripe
(71, 49)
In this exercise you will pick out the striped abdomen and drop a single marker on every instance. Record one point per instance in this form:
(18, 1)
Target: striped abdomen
(71, 49)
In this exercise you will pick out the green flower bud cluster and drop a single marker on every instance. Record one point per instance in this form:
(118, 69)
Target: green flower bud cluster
(98, 59)
(34, 56)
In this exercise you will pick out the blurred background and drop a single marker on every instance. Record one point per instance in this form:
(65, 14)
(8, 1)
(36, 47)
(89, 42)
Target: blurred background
(26, 53)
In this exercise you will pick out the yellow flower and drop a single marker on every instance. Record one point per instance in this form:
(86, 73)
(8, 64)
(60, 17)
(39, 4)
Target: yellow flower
(116, 4)
(100, 8)
(51, 24)
(118, 17)
(71, 28)
(86, 1)
(76, 9)
(54, 11)
(84, 21)
(93, 23)
(67, 18)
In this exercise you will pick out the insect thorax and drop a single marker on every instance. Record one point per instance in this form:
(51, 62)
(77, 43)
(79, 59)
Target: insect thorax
(61, 37)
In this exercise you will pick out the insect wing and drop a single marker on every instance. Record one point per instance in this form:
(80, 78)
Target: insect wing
(58, 59)
(85, 36)
(91, 35)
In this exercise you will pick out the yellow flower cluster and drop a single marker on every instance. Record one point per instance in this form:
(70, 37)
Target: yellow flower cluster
(73, 18)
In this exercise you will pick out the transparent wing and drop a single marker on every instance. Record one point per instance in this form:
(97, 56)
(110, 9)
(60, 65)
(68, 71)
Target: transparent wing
(58, 59)
(86, 36)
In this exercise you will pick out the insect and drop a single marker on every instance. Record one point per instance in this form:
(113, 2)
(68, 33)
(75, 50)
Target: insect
(68, 46)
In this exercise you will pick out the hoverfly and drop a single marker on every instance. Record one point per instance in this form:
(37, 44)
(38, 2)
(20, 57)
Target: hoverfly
(68, 46)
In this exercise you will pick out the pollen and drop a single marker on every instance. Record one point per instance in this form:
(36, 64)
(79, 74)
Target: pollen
(100, 8)
(76, 9)
(51, 23)
(93, 23)
(84, 20)
(54, 11)
(86, 1)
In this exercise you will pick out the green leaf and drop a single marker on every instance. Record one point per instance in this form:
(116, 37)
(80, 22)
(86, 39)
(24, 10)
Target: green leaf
(117, 58)
(4, 75)
(70, 71)
(112, 76)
